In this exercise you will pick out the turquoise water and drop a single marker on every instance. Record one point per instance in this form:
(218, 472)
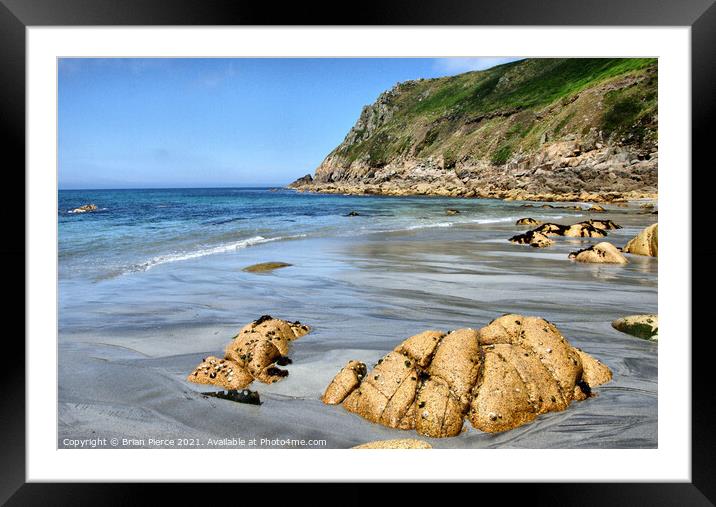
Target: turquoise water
(136, 230)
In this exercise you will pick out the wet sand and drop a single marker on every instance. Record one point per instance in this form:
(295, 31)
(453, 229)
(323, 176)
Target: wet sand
(126, 347)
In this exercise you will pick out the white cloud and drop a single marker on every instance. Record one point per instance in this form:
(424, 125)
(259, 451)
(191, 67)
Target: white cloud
(458, 65)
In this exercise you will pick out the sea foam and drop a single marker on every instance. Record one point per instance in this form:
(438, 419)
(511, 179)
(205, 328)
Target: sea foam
(203, 252)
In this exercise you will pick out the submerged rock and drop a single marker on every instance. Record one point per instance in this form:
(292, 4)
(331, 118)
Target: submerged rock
(353, 214)
(252, 355)
(85, 208)
(532, 238)
(641, 326)
(645, 243)
(265, 266)
(530, 222)
(242, 396)
(500, 377)
(604, 253)
(400, 443)
(596, 209)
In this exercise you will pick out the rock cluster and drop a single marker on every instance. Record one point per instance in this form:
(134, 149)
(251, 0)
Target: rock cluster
(252, 355)
(500, 377)
(539, 236)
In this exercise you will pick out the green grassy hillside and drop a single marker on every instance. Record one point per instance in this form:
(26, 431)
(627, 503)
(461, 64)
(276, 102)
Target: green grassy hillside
(510, 109)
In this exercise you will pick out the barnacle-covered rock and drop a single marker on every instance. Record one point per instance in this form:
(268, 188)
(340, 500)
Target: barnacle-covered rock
(500, 377)
(601, 253)
(347, 380)
(268, 326)
(221, 373)
(253, 354)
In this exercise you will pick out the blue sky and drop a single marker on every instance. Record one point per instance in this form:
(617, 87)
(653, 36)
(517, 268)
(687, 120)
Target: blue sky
(143, 123)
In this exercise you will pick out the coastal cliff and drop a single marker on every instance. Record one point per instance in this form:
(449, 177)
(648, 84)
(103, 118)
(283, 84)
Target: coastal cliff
(544, 129)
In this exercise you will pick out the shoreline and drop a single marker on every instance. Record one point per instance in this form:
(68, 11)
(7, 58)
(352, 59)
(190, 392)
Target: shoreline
(125, 351)
(438, 190)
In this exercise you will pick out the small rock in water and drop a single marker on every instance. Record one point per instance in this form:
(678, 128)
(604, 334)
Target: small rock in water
(641, 326)
(239, 396)
(266, 266)
(451, 211)
(353, 214)
(645, 243)
(601, 253)
(530, 222)
(85, 208)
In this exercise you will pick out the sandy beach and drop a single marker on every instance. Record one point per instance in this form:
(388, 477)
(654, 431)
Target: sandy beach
(127, 345)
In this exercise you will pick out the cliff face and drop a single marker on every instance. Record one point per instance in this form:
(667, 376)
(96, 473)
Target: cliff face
(559, 127)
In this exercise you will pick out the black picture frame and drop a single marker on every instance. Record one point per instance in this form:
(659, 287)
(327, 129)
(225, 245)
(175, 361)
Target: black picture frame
(17, 15)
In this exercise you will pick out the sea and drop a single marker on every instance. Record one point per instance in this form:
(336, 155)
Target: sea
(137, 230)
(153, 281)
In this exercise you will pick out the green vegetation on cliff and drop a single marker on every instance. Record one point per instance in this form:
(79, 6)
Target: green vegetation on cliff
(495, 114)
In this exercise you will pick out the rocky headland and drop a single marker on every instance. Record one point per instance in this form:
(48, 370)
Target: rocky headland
(536, 129)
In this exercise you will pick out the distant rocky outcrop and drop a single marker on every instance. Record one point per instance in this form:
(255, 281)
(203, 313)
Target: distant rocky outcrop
(582, 129)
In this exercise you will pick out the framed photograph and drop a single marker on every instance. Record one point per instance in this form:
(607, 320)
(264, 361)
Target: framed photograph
(431, 234)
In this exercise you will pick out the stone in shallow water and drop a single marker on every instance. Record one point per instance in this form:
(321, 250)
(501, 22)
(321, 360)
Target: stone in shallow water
(641, 326)
(85, 208)
(532, 238)
(265, 266)
(645, 243)
(601, 253)
(530, 222)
